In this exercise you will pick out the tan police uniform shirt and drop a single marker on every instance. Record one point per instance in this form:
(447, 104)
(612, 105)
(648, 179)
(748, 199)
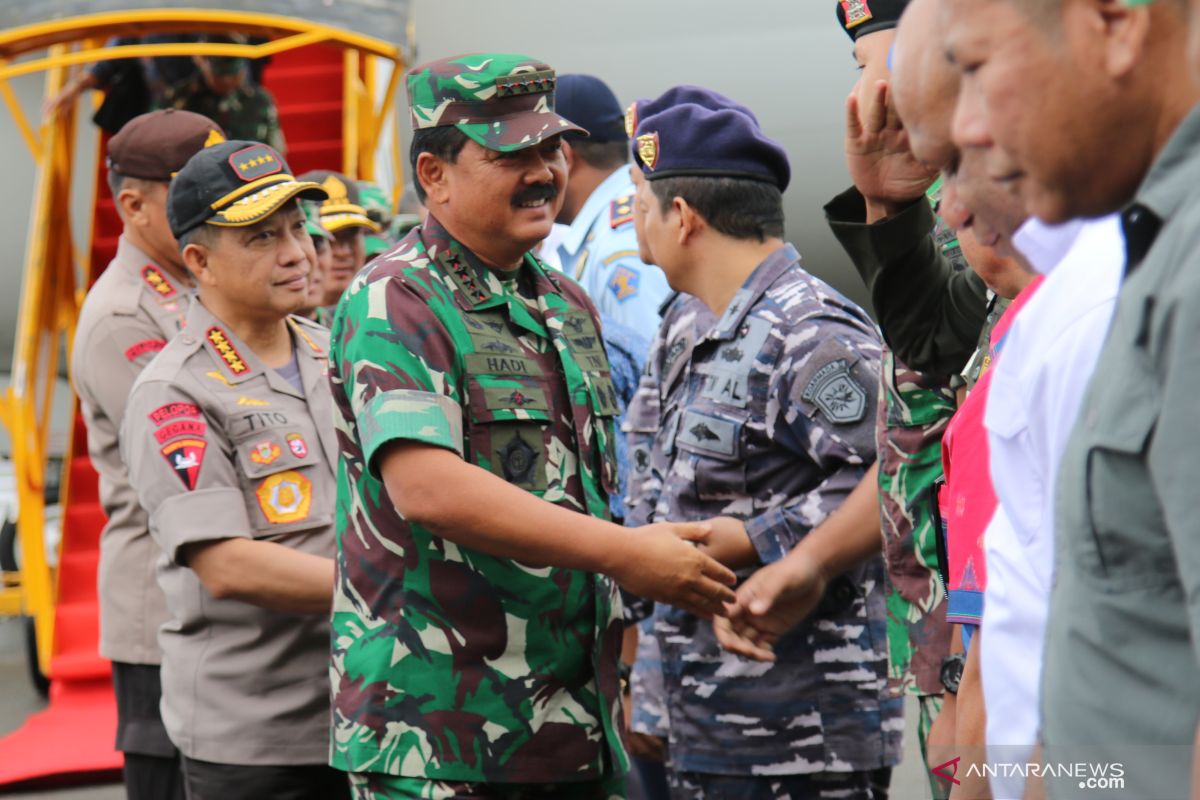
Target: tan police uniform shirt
(220, 446)
(127, 318)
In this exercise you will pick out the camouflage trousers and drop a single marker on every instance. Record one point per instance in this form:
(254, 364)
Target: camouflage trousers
(931, 706)
(871, 785)
(376, 786)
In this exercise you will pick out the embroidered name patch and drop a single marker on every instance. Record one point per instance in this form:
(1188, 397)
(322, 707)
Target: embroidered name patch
(184, 427)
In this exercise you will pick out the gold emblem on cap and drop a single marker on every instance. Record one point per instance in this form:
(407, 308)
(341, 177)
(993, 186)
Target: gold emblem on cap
(647, 149)
(338, 194)
(857, 12)
(214, 137)
(631, 119)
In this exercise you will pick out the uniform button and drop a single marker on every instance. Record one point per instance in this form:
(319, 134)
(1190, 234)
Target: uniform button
(187, 339)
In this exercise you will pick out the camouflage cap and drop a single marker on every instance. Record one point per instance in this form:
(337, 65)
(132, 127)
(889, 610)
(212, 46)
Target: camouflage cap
(233, 184)
(501, 101)
(375, 202)
(342, 208)
(312, 220)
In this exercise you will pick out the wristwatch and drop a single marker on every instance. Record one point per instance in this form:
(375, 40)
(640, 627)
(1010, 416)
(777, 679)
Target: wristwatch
(952, 670)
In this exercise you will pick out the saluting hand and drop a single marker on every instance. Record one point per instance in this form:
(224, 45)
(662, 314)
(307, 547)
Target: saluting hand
(769, 603)
(668, 568)
(881, 164)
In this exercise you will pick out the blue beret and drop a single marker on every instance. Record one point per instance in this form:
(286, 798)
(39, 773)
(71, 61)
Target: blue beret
(684, 93)
(690, 139)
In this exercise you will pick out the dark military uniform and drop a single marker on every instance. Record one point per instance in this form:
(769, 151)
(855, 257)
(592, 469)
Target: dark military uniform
(765, 415)
(249, 112)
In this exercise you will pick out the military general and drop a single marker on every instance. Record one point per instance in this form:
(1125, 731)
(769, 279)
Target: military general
(476, 616)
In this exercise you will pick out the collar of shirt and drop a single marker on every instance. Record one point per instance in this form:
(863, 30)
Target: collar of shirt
(1044, 246)
(759, 281)
(144, 269)
(597, 201)
(1171, 179)
(477, 286)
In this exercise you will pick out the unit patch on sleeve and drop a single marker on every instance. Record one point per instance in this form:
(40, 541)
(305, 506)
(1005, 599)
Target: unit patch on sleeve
(284, 497)
(174, 411)
(185, 457)
(139, 349)
(182, 427)
(624, 283)
(158, 282)
(838, 395)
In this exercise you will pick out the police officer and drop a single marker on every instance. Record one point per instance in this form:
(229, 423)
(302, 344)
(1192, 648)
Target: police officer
(599, 248)
(760, 384)
(129, 314)
(476, 619)
(229, 447)
(345, 218)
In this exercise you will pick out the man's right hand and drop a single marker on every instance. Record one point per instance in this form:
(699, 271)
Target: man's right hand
(665, 566)
(769, 603)
(883, 169)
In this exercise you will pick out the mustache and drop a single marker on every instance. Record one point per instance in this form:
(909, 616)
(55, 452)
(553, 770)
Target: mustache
(541, 191)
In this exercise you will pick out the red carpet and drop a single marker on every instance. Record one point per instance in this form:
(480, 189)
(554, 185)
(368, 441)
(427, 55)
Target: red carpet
(71, 742)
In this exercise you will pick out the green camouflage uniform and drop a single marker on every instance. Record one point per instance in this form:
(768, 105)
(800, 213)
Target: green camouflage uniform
(913, 416)
(453, 668)
(248, 112)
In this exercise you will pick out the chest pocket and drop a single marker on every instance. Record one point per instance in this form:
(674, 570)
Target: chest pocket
(715, 445)
(287, 486)
(509, 420)
(587, 348)
(1127, 549)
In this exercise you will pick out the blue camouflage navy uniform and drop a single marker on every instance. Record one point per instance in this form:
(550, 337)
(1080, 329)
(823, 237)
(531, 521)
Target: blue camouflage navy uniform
(765, 415)
(600, 251)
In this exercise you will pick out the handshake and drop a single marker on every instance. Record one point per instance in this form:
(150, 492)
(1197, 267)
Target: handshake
(699, 579)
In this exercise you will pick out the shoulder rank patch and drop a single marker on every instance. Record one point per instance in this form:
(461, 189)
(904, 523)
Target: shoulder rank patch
(158, 282)
(620, 211)
(839, 396)
(857, 12)
(297, 445)
(284, 497)
(185, 457)
(233, 359)
(265, 452)
(624, 283)
(139, 349)
(174, 411)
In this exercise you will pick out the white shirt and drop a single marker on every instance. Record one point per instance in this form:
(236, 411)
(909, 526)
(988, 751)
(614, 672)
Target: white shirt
(1038, 383)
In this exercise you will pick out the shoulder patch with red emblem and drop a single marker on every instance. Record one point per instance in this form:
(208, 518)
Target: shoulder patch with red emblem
(185, 457)
(139, 349)
(182, 427)
(621, 211)
(158, 282)
(229, 354)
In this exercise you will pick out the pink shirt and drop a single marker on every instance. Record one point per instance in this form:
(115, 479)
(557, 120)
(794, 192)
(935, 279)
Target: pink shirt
(967, 501)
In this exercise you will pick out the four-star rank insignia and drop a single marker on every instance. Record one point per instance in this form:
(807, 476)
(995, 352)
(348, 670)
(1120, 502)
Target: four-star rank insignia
(647, 149)
(297, 445)
(185, 457)
(265, 452)
(229, 354)
(257, 161)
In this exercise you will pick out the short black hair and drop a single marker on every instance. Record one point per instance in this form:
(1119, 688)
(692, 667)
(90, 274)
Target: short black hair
(444, 141)
(741, 208)
(203, 234)
(601, 155)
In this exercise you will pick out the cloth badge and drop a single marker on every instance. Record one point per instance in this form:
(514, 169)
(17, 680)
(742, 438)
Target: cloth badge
(174, 411)
(258, 161)
(839, 396)
(624, 283)
(249, 401)
(297, 445)
(285, 497)
(647, 149)
(857, 12)
(158, 282)
(620, 211)
(183, 427)
(708, 433)
(233, 359)
(264, 453)
(185, 457)
(139, 349)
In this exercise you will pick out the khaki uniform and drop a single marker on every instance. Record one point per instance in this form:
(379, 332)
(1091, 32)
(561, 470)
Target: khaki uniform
(220, 446)
(128, 317)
